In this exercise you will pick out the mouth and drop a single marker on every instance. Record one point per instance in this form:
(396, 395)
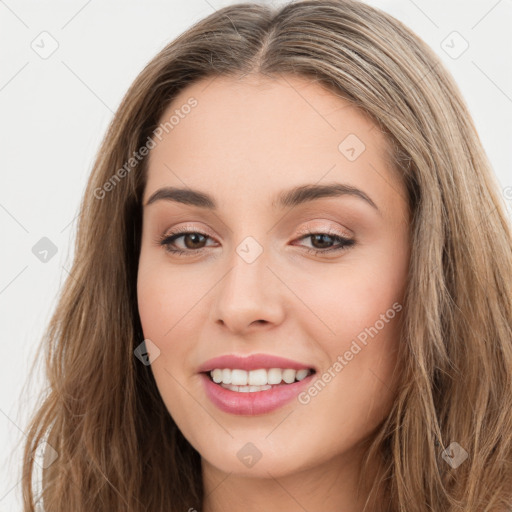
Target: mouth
(254, 384)
(259, 380)
(240, 397)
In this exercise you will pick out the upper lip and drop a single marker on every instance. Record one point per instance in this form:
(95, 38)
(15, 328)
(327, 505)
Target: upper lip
(252, 362)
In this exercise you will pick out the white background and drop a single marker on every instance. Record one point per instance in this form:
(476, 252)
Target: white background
(54, 113)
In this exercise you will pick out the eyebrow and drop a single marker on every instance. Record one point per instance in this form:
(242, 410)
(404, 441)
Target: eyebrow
(287, 198)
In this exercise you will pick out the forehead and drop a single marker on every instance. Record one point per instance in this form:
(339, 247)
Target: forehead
(242, 137)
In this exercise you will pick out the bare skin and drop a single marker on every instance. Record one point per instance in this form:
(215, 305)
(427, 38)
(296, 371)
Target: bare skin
(244, 142)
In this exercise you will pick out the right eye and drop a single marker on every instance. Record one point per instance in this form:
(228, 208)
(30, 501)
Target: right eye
(192, 237)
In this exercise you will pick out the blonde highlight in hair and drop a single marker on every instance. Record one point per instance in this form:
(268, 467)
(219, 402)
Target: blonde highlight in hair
(118, 447)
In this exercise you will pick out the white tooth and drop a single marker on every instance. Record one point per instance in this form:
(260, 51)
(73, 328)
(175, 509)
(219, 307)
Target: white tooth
(260, 377)
(246, 389)
(239, 377)
(302, 374)
(229, 386)
(257, 377)
(289, 376)
(216, 375)
(274, 376)
(226, 376)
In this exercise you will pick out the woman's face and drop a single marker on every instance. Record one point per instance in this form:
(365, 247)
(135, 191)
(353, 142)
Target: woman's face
(232, 160)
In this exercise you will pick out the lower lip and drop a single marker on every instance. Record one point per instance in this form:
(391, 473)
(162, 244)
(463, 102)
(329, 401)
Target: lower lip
(256, 402)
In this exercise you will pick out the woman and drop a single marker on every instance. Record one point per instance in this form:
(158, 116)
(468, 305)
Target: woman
(292, 283)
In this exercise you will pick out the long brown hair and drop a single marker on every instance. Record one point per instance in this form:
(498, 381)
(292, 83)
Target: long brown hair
(118, 447)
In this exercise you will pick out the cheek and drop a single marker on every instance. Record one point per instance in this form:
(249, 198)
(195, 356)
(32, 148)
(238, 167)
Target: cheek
(351, 302)
(357, 312)
(358, 380)
(153, 302)
(163, 305)
(163, 296)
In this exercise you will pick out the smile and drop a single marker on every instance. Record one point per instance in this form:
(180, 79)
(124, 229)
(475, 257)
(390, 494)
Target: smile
(256, 380)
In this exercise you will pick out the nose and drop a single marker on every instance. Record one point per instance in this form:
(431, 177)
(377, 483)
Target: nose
(248, 297)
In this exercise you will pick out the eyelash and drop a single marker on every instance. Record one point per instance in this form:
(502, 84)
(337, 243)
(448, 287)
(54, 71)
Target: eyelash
(167, 239)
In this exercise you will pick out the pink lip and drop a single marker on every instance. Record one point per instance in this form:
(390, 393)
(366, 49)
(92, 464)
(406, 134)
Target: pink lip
(252, 362)
(252, 403)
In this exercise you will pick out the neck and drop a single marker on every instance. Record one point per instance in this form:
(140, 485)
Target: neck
(329, 487)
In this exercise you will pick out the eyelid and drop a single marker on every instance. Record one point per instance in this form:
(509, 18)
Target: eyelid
(344, 242)
(309, 228)
(191, 228)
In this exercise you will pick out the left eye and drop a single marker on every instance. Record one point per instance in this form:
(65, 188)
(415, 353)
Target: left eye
(328, 238)
(193, 241)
